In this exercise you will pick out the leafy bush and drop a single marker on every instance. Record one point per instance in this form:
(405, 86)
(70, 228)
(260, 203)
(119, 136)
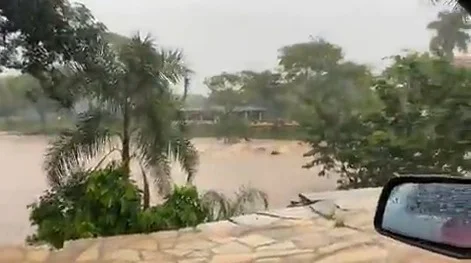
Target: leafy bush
(182, 208)
(107, 203)
(422, 126)
(102, 203)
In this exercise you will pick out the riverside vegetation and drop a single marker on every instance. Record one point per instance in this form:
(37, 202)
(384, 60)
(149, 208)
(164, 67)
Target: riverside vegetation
(113, 94)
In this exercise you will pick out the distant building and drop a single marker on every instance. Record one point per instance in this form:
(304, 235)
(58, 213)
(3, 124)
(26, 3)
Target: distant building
(212, 114)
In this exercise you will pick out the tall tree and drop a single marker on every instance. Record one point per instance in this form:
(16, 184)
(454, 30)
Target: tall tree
(451, 32)
(48, 33)
(264, 89)
(12, 99)
(225, 90)
(135, 103)
(317, 74)
(421, 126)
(31, 89)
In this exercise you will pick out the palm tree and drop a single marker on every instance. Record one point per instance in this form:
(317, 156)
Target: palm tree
(450, 33)
(130, 86)
(246, 200)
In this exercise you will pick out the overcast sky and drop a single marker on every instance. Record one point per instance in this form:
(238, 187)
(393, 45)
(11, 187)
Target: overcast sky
(231, 35)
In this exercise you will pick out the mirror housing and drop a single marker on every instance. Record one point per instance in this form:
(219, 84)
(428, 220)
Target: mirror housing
(466, 4)
(438, 222)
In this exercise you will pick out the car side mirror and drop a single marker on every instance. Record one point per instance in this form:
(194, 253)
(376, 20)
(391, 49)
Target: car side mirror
(429, 212)
(466, 4)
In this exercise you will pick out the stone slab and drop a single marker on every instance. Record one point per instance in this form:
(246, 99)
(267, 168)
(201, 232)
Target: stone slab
(326, 208)
(302, 212)
(254, 220)
(342, 194)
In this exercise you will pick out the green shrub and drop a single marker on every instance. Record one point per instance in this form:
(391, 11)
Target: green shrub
(182, 208)
(106, 203)
(102, 203)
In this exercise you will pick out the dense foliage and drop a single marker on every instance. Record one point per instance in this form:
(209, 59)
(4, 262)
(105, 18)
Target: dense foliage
(419, 128)
(102, 204)
(44, 37)
(106, 202)
(131, 100)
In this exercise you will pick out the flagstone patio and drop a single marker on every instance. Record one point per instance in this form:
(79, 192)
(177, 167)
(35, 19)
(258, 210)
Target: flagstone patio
(336, 228)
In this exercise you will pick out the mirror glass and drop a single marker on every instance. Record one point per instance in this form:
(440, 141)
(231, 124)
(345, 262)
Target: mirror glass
(437, 212)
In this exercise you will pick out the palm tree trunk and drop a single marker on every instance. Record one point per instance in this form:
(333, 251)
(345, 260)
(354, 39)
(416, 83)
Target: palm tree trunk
(146, 190)
(125, 154)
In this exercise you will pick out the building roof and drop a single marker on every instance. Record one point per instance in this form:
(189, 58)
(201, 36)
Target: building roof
(221, 108)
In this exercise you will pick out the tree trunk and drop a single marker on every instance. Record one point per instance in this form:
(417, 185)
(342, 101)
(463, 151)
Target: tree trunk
(189, 179)
(146, 190)
(125, 155)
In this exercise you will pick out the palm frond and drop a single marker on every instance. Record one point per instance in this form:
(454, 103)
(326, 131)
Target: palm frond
(185, 153)
(218, 204)
(452, 3)
(152, 151)
(160, 168)
(247, 199)
(72, 147)
(157, 140)
(173, 67)
(97, 80)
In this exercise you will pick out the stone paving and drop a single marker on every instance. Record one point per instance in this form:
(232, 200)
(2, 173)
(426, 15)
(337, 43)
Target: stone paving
(335, 229)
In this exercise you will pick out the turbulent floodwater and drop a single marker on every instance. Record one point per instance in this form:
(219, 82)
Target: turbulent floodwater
(223, 167)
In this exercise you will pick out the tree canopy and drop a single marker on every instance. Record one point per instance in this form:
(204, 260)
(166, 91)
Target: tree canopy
(451, 32)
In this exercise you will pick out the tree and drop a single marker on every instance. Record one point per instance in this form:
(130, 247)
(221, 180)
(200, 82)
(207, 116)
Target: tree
(419, 128)
(135, 104)
(316, 75)
(31, 89)
(12, 98)
(49, 34)
(450, 34)
(248, 88)
(225, 91)
(263, 89)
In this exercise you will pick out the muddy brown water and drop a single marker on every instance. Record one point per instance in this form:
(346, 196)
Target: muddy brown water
(222, 167)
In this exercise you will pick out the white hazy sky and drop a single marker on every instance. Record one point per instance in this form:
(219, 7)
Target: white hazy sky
(231, 35)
